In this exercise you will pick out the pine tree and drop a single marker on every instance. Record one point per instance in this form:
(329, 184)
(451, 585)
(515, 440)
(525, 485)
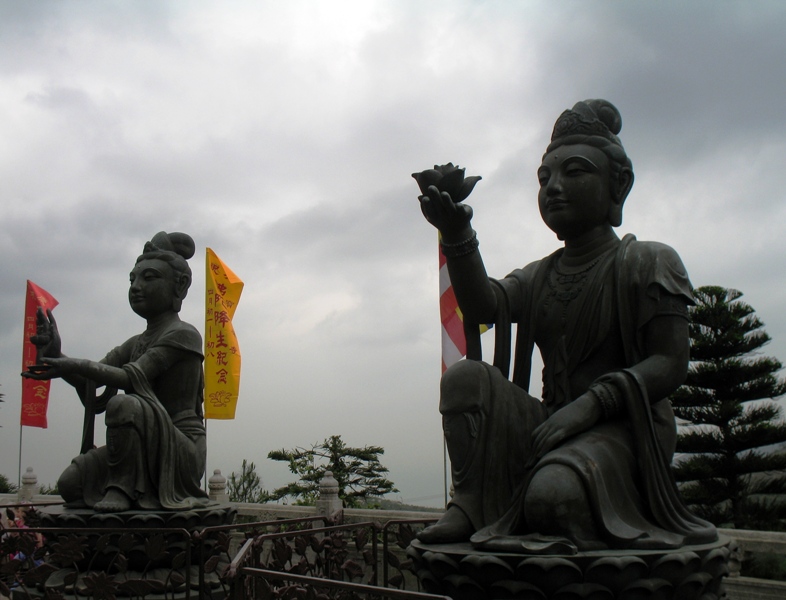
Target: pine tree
(728, 475)
(358, 472)
(246, 486)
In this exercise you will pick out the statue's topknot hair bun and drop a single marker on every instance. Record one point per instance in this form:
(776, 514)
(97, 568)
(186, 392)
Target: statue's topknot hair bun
(607, 113)
(180, 243)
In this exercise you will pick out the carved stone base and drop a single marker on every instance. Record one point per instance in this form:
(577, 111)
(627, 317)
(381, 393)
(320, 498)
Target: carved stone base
(198, 518)
(132, 553)
(461, 572)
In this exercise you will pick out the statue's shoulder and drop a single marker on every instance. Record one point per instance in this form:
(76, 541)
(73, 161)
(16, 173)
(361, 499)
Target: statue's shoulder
(182, 335)
(642, 255)
(648, 249)
(645, 263)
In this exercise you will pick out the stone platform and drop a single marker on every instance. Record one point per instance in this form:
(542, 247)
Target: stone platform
(198, 518)
(463, 573)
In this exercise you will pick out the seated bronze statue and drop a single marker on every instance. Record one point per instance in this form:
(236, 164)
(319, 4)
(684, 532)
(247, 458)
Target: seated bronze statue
(586, 467)
(155, 453)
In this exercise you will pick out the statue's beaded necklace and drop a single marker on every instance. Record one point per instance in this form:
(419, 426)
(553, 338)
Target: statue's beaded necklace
(565, 287)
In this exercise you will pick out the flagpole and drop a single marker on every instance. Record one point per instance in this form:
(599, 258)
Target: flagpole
(19, 471)
(204, 477)
(445, 468)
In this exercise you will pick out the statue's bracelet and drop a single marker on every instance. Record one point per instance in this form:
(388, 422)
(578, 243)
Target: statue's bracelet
(462, 248)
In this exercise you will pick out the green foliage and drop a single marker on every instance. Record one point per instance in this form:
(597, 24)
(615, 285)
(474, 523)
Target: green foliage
(727, 475)
(49, 490)
(6, 486)
(359, 473)
(765, 565)
(246, 486)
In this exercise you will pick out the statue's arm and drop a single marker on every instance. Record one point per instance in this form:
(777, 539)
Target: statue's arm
(474, 293)
(667, 348)
(76, 370)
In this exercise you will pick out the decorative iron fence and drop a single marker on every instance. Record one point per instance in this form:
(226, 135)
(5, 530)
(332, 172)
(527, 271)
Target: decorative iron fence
(221, 562)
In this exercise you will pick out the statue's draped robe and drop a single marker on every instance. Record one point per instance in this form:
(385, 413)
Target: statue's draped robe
(623, 463)
(165, 370)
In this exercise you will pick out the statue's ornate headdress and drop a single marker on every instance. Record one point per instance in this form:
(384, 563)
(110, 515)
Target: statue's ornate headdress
(589, 118)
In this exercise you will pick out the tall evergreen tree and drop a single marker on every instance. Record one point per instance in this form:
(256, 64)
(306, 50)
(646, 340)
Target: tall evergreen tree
(246, 486)
(728, 474)
(359, 473)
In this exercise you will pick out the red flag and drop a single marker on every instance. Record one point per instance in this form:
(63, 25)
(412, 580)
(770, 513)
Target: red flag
(35, 394)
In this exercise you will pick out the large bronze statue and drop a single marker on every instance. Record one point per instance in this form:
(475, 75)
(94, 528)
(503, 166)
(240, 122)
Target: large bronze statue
(155, 452)
(588, 466)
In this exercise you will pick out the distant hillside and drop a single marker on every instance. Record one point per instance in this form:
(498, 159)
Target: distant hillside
(386, 504)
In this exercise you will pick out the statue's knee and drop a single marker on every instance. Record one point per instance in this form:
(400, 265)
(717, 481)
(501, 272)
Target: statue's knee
(555, 491)
(69, 486)
(464, 387)
(122, 410)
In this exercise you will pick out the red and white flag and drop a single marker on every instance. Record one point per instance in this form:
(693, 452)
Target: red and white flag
(454, 343)
(35, 394)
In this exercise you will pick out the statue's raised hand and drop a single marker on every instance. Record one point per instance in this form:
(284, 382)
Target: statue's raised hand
(443, 189)
(451, 218)
(47, 337)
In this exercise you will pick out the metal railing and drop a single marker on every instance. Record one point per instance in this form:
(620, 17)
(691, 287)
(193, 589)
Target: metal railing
(233, 561)
(213, 562)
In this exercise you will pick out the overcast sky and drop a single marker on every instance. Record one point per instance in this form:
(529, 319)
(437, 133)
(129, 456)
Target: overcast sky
(283, 135)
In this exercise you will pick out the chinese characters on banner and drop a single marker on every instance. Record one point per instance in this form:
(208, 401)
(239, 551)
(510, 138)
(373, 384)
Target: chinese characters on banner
(222, 355)
(35, 394)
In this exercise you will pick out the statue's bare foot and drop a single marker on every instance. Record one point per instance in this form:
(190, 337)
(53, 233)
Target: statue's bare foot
(454, 526)
(113, 501)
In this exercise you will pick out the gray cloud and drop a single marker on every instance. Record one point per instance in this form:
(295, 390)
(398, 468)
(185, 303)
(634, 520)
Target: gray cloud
(284, 136)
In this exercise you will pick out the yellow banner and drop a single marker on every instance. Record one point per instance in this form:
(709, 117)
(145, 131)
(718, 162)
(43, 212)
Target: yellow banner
(222, 353)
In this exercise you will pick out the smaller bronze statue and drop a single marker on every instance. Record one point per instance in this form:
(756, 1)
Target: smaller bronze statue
(155, 453)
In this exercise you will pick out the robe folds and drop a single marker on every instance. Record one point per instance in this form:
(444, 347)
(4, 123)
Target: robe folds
(623, 463)
(165, 461)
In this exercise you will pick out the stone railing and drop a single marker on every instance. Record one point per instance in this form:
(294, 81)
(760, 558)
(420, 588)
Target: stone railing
(751, 542)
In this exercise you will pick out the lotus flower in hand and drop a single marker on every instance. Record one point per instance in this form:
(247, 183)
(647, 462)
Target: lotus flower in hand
(447, 178)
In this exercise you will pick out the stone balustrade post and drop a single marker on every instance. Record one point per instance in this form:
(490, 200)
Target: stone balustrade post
(328, 502)
(29, 486)
(217, 487)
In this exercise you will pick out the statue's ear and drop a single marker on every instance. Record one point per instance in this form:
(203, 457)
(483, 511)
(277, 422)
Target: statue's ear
(181, 285)
(181, 289)
(620, 189)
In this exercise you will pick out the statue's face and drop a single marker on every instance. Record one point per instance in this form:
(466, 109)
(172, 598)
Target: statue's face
(575, 190)
(152, 288)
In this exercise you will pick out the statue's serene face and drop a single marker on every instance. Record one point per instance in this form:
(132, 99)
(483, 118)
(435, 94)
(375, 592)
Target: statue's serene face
(152, 288)
(575, 190)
